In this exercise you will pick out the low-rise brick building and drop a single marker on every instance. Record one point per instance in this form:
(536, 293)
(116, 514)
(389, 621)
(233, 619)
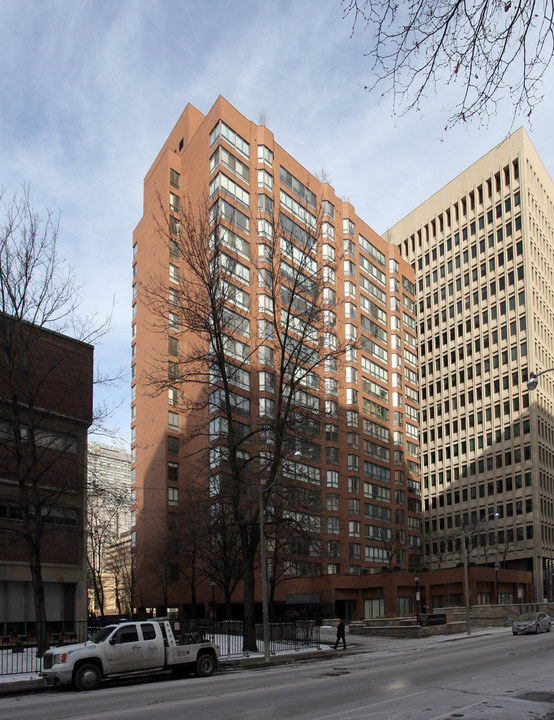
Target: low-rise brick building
(45, 412)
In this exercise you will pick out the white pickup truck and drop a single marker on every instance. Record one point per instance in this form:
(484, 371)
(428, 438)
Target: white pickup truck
(129, 648)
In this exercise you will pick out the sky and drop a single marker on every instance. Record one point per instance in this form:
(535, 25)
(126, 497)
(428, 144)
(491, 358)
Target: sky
(90, 90)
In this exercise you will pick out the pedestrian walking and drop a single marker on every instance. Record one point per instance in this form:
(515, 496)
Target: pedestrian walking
(340, 635)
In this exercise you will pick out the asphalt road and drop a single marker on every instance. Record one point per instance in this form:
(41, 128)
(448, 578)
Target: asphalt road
(486, 676)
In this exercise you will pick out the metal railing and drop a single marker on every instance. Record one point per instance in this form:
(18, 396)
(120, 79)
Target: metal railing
(18, 647)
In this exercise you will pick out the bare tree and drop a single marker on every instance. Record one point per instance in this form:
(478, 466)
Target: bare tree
(438, 543)
(164, 565)
(256, 383)
(393, 540)
(491, 49)
(224, 552)
(507, 544)
(192, 538)
(293, 543)
(38, 291)
(104, 505)
(119, 569)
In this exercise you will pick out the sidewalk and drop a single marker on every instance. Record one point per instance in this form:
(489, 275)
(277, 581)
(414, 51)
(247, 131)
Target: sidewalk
(31, 682)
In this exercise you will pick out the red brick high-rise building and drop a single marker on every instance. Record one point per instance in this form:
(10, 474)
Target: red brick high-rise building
(360, 462)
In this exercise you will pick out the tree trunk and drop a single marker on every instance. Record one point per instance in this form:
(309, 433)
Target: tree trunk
(228, 606)
(39, 601)
(249, 640)
(193, 602)
(272, 598)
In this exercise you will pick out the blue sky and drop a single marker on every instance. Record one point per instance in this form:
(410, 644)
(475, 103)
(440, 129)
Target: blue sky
(90, 89)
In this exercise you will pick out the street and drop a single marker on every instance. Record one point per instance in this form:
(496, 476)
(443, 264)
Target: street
(486, 676)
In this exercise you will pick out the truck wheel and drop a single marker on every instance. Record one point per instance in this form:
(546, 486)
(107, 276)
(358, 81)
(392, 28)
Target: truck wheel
(205, 665)
(181, 671)
(87, 677)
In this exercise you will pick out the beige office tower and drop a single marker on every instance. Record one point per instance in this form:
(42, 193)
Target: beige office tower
(483, 251)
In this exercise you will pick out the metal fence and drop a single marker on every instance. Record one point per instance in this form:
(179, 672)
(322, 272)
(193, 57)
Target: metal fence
(283, 637)
(18, 649)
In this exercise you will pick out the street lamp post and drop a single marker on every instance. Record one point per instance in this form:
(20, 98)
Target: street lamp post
(212, 583)
(416, 580)
(263, 556)
(532, 385)
(465, 536)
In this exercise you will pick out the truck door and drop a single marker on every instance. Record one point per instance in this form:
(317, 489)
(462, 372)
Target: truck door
(153, 646)
(125, 650)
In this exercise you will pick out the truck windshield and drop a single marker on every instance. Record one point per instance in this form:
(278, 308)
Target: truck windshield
(101, 635)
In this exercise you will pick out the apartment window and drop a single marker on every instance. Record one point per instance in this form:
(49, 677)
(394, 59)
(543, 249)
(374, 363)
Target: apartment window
(348, 227)
(331, 364)
(174, 202)
(173, 273)
(173, 346)
(173, 322)
(351, 375)
(266, 355)
(223, 131)
(350, 332)
(265, 180)
(173, 445)
(352, 440)
(266, 407)
(350, 290)
(265, 155)
(328, 252)
(352, 418)
(333, 526)
(266, 382)
(173, 472)
(173, 420)
(173, 370)
(330, 318)
(173, 495)
(173, 396)
(349, 268)
(329, 297)
(331, 432)
(332, 479)
(173, 297)
(327, 209)
(174, 178)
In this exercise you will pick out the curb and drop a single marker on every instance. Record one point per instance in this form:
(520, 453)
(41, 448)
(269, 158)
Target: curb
(258, 663)
(22, 686)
